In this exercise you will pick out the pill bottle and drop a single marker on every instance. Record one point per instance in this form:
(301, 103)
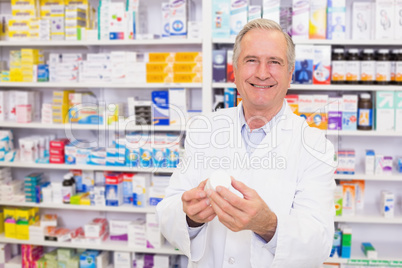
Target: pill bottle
(368, 66)
(383, 67)
(353, 66)
(365, 112)
(398, 68)
(393, 58)
(68, 189)
(338, 66)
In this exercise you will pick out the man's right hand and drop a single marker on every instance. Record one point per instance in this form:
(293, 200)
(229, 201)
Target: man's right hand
(197, 207)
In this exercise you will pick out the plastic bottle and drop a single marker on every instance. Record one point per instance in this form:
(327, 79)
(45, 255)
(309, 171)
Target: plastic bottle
(368, 67)
(338, 66)
(353, 66)
(68, 189)
(383, 67)
(219, 102)
(393, 58)
(365, 112)
(398, 71)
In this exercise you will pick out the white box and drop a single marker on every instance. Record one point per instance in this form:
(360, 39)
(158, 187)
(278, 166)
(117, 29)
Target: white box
(165, 29)
(238, 16)
(122, 259)
(254, 12)
(384, 19)
(178, 106)
(178, 18)
(154, 236)
(370, 162)
(387, 204)
(385, 112)
(362, 18)
(398, 111)
(398, 20)
(300, 19)
(271, 10)
(336, 20)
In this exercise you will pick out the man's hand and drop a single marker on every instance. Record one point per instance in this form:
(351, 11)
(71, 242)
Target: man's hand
(248, 213)
(197, 207)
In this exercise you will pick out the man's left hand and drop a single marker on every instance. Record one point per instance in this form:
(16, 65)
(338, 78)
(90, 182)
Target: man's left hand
(248, 213)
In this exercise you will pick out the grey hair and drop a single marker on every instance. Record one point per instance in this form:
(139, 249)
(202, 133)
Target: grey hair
(269, 25)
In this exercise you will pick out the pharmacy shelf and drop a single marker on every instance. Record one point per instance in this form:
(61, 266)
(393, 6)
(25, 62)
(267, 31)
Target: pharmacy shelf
(110, 245)
(97, 85)
(305, 87)
(123, 208)
(389, 253)
(362, 133)
(231, 40)
(370, 214)
(91, 127)
(361, 176)
(85, 167)
(150, 42)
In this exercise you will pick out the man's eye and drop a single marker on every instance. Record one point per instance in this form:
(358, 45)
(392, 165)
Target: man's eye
(250, 60)
(274, 62)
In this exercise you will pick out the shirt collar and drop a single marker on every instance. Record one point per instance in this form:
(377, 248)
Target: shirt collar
(267, 127)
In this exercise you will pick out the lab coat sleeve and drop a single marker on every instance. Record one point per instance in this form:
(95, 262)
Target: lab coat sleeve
(305, 233)
(171, 217)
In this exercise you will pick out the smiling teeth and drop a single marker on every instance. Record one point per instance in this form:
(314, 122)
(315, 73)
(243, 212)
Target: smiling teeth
(262, 86)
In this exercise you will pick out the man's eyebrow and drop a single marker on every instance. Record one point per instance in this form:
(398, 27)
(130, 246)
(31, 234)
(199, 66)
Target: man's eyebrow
(282, 61)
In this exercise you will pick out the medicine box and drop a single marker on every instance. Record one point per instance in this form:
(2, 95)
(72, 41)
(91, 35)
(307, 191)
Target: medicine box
(385, 112)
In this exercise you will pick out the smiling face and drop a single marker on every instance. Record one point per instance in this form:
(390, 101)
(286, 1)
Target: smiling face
(262, 75)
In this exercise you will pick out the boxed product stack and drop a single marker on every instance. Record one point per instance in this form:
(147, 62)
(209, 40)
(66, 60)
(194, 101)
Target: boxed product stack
(157, 189)
(118, 230)
(84, 109)
(12, 190)
(56, 151)
(30, 254)
(24, 217)
(97, 68)
(96, 231)
(180, 67)
(57, 234)
(23, 20)
(64, 67)
(57, 22)
(114, 189)
(60, 107)
(31, 182)
(137, 234)
(141, 182)
(154, 235)
(75, 22)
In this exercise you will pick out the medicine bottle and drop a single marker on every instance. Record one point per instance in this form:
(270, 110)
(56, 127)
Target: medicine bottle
(68, 189)
(338, 66)
(383, 67)
(393, 59)
(365, 112)
(368, 66)
(398, 71)
(353, 66)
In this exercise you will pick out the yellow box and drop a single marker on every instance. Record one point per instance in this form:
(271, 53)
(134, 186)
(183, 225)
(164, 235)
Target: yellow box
(159, 78)
(60, 111)
(188, 57)
(1, 222)
(19, 24)
(185, 67)
(161, 57)
(19, 35)
(9, 222)
(23, 2)
(25, 14)
(57, 121)
(187, 78)
(156, 67)
(62, 96)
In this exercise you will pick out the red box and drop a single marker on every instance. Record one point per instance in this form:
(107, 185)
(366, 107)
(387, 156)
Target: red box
(56, 151)
(56, 159)
(58, 143)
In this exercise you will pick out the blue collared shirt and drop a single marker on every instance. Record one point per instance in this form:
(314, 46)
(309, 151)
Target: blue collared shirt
(253, 138)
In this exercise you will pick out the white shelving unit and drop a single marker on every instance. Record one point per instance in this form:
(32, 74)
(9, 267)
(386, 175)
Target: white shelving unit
(153, 42)
(97, 85)
(124, 208)
(84, 167)
(359, 176)
(91, 127)
(370, 215)
(108, 244)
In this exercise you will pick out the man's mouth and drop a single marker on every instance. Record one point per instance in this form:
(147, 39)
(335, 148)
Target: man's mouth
(258, 86)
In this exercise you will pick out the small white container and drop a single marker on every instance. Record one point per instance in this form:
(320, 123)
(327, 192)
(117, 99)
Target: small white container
(218, 178)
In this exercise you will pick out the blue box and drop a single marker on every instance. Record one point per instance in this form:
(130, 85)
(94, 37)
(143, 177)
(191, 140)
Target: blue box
(219, 62)
(146, 157)
(43, 73)
(221, 19)
(230, 97)
(160, 108)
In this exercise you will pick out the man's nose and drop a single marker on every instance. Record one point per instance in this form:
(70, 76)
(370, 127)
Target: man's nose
(263, 71)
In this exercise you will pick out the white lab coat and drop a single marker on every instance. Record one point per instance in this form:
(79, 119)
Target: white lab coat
(295, 179)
